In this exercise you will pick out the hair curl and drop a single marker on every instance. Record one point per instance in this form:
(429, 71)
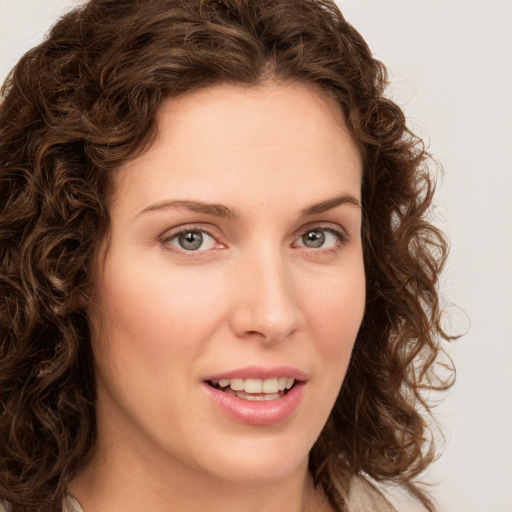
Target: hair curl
(82, 103)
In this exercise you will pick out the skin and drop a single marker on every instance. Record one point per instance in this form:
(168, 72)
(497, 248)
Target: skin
(253, 294)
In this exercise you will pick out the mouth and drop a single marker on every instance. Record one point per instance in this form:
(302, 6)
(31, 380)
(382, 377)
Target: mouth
(257, 390)
(256, 395)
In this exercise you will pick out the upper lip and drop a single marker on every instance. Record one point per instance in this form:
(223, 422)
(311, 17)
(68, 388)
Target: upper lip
(259, 372)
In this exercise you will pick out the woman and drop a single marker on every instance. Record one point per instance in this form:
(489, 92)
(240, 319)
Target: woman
(218, 280)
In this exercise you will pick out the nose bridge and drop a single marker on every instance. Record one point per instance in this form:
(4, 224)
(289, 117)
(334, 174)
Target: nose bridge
(266, 302)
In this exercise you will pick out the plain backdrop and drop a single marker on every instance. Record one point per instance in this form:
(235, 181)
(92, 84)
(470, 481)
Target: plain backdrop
(450, 65)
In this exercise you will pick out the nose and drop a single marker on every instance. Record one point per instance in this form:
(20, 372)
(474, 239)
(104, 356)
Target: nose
(265, 302)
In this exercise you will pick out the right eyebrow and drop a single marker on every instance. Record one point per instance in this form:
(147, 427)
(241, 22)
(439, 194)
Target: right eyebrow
(331, 203)
(217, 210)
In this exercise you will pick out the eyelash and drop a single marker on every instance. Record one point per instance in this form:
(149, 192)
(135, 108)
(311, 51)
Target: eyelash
(168, 237)
(341, 236)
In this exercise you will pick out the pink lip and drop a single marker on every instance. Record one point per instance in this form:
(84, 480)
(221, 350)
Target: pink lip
(258, 372)
(265, 413)
(258, 413)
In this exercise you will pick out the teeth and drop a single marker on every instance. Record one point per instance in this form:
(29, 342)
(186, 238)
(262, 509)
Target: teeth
(258, 386)
(237, 384)
(253, 386)
(270, 386)
(254, 398)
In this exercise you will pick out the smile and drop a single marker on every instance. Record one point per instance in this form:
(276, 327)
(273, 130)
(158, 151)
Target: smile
(257, 396)
(255, 389)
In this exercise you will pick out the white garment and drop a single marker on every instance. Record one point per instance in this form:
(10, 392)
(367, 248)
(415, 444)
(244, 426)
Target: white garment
(71, 505)
(363, 497)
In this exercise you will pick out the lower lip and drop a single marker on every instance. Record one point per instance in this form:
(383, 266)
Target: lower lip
(258, 413)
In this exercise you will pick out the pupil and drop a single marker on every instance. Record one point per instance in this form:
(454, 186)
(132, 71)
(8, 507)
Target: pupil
(191, 241)
(314, 239)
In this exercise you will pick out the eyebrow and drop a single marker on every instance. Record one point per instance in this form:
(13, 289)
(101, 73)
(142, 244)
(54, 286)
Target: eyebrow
(220, 210)
(329, 204)
(216, 210)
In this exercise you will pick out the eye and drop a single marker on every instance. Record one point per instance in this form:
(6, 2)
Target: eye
(321, 238)
(191, 240)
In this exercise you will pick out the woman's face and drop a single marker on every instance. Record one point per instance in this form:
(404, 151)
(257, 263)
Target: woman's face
(234, 270)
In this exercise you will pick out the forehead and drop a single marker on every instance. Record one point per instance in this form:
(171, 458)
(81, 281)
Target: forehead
(265, 112)
(226, 139)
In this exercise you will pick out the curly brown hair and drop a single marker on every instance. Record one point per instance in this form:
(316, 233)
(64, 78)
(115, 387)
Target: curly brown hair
(82, 103)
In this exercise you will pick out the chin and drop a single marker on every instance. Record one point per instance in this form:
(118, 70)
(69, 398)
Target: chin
(257, 461)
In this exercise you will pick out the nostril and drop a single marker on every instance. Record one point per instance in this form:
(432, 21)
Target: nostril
(255, 333)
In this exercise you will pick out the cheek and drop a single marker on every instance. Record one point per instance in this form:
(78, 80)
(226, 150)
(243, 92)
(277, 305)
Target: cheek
(153, 303)
(152, 329)
(145, 323)
(149, 330)
(336, 312)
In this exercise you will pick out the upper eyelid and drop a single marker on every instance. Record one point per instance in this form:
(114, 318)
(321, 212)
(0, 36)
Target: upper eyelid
(328, 226)
(172, 232)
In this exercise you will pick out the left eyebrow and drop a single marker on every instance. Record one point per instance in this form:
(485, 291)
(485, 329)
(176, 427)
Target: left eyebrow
(329, 204)
(219, 210)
